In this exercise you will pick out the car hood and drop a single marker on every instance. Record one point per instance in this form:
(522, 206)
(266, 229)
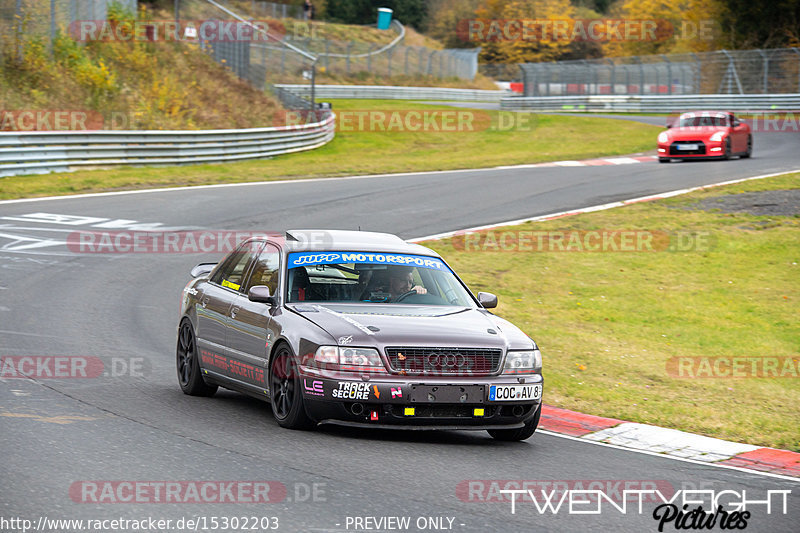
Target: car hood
(693, 133)
(401, 325)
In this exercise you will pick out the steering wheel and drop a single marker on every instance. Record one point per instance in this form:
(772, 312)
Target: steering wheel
(450, 294)
(404, 295)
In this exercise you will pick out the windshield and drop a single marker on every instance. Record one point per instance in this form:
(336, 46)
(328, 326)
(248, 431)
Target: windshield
(696, 121)
(373, 278)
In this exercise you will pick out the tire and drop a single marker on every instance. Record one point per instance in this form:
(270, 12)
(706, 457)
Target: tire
(187, 364)
(749, 151)
(663, 159)
(514, 435)
(285, 393)
(727, 154)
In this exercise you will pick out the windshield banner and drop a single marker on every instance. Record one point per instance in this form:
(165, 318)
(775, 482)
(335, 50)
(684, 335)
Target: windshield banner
(328, 258)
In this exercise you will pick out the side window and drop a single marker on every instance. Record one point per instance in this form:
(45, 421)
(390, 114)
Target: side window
(266, 270)
(231, 273)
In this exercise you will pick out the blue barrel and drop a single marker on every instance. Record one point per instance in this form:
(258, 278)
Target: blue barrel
(384, 18)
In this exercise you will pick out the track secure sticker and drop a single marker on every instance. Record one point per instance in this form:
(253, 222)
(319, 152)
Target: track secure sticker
(328, 258)
(351, 390)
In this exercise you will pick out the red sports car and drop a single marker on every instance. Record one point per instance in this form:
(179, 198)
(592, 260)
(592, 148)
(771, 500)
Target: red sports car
(705, 134)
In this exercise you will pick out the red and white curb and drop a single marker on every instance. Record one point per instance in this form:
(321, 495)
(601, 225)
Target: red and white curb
(588, 162)
(670, 442)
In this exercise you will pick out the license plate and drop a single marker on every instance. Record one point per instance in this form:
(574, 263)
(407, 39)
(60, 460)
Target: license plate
(687, 147)
(446, 393)
(514, 393)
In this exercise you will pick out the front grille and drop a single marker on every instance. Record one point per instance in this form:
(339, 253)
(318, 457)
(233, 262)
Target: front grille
(701, 148)
(444, 361)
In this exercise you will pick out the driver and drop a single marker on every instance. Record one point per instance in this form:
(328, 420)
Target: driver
(401, 282)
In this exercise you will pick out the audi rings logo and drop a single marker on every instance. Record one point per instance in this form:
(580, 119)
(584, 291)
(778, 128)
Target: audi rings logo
(445, 361)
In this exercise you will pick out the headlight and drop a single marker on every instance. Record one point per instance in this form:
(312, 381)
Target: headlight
(351, 359)
(527, 362)
(718, 136)
(663, 137)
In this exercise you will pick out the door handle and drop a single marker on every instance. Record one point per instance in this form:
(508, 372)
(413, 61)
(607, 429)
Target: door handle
(204, 302)
(234, 310)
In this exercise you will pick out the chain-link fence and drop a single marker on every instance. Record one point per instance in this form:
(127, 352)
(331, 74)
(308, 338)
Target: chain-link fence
(722, 72)
(284, 58)
(41, 19)
(276, 11)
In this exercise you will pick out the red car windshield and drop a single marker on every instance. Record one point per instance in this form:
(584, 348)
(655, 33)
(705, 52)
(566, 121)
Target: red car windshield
(697, 121)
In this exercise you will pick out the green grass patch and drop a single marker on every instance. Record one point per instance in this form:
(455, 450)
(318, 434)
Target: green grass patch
(608, 323)
(541, 138)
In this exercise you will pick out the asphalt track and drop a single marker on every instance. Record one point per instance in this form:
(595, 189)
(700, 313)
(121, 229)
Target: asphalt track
(55, 433)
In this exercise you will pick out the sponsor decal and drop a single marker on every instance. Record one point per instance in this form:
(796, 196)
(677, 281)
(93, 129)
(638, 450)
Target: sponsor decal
(376, 391)
(316, 258)
(314, 389)
(351, 390)
(232, 367)
(345, 340)
(397, 392)
(347, 319)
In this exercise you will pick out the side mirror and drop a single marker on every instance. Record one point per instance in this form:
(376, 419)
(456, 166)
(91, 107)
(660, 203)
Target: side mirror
(669, 125)
(487, 300)
(202, 269)
(260, 294)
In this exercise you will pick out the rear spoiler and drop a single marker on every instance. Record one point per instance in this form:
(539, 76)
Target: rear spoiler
(202, 269)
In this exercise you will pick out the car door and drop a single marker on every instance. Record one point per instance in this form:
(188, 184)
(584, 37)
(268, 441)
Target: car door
(738, 135)
(249, 321)
(218, 294)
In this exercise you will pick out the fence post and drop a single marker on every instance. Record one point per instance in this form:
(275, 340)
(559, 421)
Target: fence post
(669, 72)
(349, 46)
(389, 65)
(765, 59)
(52, 24)
(408, 49)
(327, 54)
(797, 51)
(369, 58)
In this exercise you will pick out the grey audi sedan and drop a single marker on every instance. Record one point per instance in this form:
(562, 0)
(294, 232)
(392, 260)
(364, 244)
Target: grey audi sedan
(357, 329)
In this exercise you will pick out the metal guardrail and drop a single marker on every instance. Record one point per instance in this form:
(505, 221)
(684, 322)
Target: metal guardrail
(62, 151)
(654, 104)
(381, 92)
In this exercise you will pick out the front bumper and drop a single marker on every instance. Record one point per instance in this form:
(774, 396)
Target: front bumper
(421, 402)
(706, 150)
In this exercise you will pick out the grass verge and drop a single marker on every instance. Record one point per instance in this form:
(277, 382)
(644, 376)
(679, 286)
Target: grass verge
(608, 323)
(542, 138)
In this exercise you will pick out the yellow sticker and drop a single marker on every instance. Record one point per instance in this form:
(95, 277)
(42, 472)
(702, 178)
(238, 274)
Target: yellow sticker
(234, 286)
(409, 411)
(478, 411)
